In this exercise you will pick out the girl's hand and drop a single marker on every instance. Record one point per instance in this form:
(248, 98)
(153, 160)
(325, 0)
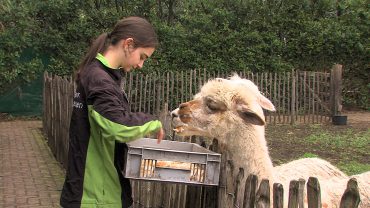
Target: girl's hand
(160, 135)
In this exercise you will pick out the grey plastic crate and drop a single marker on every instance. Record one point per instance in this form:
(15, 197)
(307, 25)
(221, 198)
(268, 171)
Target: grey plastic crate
(195, 164)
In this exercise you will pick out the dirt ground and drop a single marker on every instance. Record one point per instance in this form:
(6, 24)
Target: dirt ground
(284, 140)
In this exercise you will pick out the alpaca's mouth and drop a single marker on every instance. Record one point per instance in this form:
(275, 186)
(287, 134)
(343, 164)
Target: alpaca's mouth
(185, 130)
(179, 126)
(179, 129)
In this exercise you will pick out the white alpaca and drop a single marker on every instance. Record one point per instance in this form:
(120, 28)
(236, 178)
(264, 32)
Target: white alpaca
(231, 111)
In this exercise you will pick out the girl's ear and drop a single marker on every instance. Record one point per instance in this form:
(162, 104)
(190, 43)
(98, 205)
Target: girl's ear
(128, 43)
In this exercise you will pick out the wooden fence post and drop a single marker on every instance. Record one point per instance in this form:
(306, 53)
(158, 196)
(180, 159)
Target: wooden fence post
(278, 195)
(263, 194)
(313, 193)
(336, 89)
(351, 196)
(226, 181)
(293, 194)
(250, 191)
(293, 97)
(301, 185)
(238, 200)
(44, 101)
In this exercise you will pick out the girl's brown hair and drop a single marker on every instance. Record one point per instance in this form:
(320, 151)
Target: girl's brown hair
(137, 28)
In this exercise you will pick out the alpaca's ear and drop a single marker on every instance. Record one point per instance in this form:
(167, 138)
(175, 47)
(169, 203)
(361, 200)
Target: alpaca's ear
(249, 115)
(265, 103)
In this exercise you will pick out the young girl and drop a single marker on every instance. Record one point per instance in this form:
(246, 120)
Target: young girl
(101, 123)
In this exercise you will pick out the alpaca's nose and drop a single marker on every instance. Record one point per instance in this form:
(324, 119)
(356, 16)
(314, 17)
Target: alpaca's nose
(183, 105)
(174, 113)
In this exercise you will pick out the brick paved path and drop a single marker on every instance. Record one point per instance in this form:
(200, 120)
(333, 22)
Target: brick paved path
(29, 174)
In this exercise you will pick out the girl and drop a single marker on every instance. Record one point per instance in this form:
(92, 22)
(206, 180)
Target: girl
(101, 123)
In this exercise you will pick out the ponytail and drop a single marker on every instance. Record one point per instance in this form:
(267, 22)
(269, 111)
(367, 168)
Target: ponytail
(99, 45)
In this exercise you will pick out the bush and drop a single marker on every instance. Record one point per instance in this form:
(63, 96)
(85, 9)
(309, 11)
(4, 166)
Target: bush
(257, 35)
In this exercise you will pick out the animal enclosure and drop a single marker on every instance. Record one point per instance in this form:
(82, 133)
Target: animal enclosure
(307, 97)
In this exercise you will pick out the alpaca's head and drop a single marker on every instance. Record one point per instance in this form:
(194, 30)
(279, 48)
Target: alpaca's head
(222, 105)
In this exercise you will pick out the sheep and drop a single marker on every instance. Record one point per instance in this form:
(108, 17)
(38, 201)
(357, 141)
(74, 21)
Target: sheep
(231, 111)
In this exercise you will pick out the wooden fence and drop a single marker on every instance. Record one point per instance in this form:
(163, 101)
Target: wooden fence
(306, 97)
(57, 112)
(299, 96)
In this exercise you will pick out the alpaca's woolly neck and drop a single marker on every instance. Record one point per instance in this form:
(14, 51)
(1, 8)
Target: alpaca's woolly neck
(248, 150)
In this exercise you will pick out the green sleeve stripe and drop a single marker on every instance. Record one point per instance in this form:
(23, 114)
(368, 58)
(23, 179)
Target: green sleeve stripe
(122, 133)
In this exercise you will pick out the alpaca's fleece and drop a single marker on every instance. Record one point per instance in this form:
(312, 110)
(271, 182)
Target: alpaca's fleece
(231, 111)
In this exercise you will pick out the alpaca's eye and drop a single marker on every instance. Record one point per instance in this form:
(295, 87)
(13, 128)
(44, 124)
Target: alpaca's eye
(213, 105)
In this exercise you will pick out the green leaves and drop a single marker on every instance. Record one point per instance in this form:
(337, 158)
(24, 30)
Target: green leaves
(213, 34)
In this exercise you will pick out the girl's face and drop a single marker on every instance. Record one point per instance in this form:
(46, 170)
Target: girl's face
(135, 57)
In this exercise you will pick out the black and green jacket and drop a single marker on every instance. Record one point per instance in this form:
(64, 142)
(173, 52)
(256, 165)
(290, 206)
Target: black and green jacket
(100, 126)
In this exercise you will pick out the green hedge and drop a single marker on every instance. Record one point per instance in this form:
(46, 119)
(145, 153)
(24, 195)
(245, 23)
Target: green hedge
(214, 34)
